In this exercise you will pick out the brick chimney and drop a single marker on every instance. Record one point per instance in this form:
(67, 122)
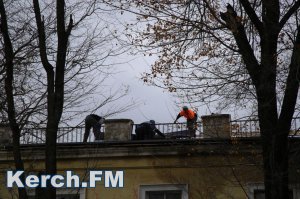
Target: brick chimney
(216, 126)
(118, 129)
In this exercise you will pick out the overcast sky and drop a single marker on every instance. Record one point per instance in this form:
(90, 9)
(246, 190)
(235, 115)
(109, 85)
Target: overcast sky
(152, 102)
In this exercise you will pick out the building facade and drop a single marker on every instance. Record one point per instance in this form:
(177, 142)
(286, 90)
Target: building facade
(188, 168)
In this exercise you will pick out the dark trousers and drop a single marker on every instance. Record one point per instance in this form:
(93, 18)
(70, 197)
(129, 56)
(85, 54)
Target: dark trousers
(91, 122)
(192, 126)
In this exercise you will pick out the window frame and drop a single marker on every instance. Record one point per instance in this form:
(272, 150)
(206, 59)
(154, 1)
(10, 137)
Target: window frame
(63, 191)
(163, 187)
(252, 187)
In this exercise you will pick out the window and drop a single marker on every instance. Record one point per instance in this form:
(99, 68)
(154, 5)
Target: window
(163, 194)
(62, 193)
(172, 191)
(260, 194)
(257, 191)
(67, 196)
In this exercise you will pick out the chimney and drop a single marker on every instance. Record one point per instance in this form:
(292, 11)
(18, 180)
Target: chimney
(118, 129)
(216, 126)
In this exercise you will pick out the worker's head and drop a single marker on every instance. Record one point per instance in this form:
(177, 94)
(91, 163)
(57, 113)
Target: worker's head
(185, 108)
(152, 122)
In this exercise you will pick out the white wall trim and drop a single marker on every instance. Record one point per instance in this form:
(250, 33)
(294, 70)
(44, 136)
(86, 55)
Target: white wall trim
(164, 187)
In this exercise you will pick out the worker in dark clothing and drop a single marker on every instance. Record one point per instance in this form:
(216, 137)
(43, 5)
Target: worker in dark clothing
(191, 118)
(93, 121)
(147, 130)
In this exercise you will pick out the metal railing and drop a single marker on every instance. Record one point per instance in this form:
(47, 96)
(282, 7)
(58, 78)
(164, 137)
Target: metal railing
(64, 135)
(250, 128)
(245, 128)
(238, 129)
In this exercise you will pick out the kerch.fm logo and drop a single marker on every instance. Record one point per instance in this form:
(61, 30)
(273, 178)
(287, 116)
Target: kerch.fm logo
(112, 179)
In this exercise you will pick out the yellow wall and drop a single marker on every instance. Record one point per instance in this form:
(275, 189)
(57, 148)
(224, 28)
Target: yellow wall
(207, 176)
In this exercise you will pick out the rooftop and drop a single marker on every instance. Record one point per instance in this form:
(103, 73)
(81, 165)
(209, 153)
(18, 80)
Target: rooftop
(213, 130)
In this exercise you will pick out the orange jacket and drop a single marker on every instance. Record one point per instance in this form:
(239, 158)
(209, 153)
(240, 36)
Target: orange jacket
(189, 114)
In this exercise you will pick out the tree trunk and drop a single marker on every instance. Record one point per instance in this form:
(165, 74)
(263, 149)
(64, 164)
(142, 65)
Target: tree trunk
(9, 66)
(275, 153)
(55, 83)
(275, 157)
(50, 162)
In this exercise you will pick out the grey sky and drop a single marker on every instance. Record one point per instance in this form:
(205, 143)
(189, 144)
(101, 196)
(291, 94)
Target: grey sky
(152, 102)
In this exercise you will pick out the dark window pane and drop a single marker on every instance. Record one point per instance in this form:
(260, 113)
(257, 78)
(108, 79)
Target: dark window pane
(67, 196)
(163, 194)
(154, 195)
(173, 195)
(260, 194)
(62, 196)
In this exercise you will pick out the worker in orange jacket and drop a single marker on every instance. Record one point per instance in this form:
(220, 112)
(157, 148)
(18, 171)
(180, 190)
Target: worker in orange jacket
(190, 115)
